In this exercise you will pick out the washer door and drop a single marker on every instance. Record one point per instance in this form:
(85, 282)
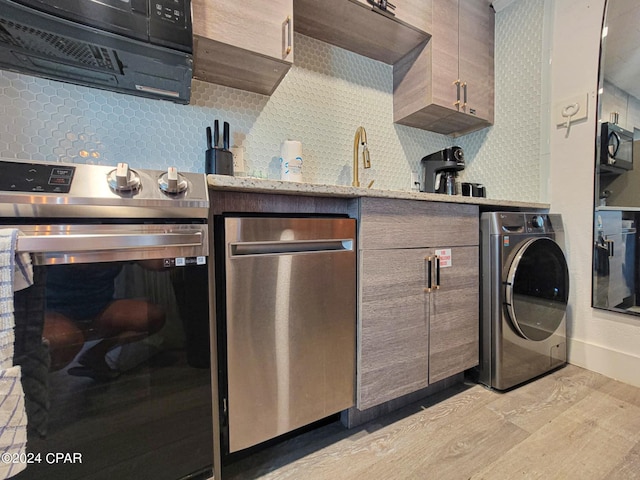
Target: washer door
(537, 289)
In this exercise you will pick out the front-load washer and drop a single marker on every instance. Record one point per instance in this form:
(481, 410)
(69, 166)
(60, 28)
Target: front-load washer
(524, 293)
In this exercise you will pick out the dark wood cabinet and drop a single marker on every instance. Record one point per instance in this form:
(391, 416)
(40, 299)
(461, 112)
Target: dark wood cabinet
(417, 324)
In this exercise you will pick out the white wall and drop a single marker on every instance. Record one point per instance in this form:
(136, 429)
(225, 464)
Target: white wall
(605, 342)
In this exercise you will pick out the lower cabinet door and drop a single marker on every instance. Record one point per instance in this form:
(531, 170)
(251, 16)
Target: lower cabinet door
(393, 341)
(454, 314)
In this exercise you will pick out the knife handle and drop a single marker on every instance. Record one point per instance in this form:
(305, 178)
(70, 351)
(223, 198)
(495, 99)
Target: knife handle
(225, 136)
(216, 134)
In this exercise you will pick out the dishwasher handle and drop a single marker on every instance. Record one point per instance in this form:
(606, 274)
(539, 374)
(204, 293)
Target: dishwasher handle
(243, 249)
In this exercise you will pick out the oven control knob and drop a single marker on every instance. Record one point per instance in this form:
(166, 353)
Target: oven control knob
(537, 221)
(172, 182)
(123, 179)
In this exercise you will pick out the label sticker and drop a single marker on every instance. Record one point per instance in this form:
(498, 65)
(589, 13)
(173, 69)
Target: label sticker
(505, 241)
(445, 257)
(185, 261)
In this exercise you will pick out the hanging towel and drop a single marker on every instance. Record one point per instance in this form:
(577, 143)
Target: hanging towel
(13, 423)
(16, 273)
(7, 264)
(7, 343)
(15, 268)
(22, 272)
(13, 419)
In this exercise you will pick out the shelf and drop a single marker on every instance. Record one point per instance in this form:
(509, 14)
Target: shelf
(357, 27)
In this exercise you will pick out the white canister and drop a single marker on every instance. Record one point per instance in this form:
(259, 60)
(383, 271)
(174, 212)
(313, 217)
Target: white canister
(291, 161)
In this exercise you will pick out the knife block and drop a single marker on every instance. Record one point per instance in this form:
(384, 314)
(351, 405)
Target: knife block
(218, 161)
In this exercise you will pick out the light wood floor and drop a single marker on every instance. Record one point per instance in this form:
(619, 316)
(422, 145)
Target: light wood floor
(571, 424)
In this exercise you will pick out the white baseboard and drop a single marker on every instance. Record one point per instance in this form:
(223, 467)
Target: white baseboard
(611, 363)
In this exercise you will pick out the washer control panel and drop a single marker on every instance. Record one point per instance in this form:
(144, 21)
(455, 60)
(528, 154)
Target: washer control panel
(523, 222)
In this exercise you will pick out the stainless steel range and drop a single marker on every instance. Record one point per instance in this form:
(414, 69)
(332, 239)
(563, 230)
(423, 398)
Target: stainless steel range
(113, 335)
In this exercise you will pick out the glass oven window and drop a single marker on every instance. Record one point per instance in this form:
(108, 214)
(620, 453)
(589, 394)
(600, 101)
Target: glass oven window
(115, 364)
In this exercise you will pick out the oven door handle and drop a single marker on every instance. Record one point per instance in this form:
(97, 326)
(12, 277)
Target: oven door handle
(96, 242)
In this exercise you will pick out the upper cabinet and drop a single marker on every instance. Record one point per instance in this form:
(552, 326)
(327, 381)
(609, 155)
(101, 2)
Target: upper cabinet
(244, 44)
(447, 85)
(357, 26)
(476, 20)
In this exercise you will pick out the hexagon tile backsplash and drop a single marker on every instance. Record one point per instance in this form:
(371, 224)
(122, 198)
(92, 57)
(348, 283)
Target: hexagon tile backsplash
(326, 95)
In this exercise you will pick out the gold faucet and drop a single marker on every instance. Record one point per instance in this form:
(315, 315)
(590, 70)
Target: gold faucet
(360, 139)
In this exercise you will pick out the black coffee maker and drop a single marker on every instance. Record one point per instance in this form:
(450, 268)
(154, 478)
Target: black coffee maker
(440, 170)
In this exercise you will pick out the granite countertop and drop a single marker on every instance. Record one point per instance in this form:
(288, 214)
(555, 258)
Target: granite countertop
(257, 185)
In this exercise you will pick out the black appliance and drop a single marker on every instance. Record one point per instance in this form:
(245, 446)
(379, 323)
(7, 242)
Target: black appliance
(218, 160)
(616, 149)
(139, 47)
(473, 190)
(131, 398)
(440, 170)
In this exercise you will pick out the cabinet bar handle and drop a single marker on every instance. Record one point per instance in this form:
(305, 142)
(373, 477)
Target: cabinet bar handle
(428, 260)
(289, 35)
(464, 100)
(457, 102)
(437, 259)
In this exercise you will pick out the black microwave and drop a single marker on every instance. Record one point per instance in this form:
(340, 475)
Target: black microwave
(140, 47)
(616, 149)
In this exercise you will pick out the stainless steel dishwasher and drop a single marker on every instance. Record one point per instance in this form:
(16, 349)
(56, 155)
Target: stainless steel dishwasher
(286, 324)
